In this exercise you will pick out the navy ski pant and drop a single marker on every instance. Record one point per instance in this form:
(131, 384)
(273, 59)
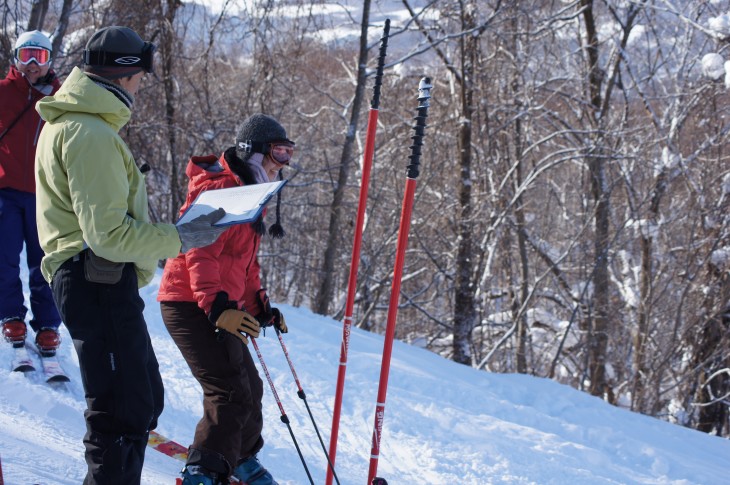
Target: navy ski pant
(18, 226)
(231, 425)
(119, 370)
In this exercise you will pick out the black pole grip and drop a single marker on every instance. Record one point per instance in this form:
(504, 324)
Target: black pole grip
(424, 96)
(375, 103)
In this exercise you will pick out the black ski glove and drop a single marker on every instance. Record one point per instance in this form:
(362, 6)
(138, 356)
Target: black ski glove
(201, 232)
(220, 304)
(279, 320)
(270, 316)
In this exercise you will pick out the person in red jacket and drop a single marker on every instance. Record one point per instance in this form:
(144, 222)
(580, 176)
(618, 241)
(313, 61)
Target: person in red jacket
(211, 300)
(29, 79)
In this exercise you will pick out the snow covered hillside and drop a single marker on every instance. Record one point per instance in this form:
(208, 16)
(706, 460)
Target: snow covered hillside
(444, 423)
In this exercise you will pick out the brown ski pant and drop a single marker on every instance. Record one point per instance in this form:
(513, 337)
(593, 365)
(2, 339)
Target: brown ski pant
(230, 429)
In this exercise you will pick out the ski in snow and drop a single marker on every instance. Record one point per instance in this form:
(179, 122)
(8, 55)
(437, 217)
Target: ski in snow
(174, 450)
(52, 369)
(167, 446)
(21, 360)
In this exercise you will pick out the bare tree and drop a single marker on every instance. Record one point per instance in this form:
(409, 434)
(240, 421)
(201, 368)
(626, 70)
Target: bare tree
(571, 216)
(334, 234)
(37, 14)
(62, 26)
(169, 46)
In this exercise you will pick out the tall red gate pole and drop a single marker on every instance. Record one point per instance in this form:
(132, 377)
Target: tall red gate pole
(424, 95)
(354, 262)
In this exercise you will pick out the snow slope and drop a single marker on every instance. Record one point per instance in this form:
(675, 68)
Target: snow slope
(444, 423)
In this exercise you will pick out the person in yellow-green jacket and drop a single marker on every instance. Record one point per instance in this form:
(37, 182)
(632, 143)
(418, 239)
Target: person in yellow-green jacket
(100, 247)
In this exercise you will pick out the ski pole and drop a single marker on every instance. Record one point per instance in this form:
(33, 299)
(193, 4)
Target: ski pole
(303, 397)
(352, 282)
(284, 417)
(424, 95)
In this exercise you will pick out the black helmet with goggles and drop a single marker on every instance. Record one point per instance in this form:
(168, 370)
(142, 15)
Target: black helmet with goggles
(119, 47)
(262, 133)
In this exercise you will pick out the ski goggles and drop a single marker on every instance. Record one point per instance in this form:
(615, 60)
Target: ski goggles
(26, 55)
(281, 152)
(144, 59)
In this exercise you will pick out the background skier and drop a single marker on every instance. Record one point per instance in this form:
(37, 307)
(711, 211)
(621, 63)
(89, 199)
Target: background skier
(28, 80)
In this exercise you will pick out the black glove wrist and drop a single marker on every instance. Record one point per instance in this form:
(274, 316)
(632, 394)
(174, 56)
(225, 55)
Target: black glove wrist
(269, 316)
(278, 321)
(220, 304)
(265, 316)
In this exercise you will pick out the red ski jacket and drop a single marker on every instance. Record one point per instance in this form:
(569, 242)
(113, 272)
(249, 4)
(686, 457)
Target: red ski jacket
(17, 145)
(230, 264)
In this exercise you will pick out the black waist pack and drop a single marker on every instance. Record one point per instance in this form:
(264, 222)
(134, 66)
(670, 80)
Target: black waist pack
(100, 270)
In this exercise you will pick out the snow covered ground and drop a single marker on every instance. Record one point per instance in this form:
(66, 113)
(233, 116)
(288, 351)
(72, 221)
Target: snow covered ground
(444, 423)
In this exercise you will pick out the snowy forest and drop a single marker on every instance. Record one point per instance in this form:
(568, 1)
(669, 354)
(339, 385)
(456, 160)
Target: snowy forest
(571, 214)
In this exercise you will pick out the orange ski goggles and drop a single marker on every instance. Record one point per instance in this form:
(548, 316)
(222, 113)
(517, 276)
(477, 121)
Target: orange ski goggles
(26, 55)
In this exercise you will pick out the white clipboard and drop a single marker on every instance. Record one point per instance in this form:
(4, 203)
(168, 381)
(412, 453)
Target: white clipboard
(242, 204)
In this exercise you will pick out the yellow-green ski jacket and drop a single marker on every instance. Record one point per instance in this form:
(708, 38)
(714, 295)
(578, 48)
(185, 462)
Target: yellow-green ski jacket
(88, 187)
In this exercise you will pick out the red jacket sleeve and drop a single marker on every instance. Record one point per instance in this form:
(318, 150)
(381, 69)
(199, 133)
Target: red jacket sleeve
(205, 272)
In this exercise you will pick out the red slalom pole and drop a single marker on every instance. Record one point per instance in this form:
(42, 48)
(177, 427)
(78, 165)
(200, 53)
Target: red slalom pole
(355, 260)
(424, 95)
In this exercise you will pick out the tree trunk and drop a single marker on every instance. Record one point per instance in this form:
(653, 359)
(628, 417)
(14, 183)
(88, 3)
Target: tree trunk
(598, 333)
(711, 359)
(168, 48)
(326, 289)
(641, 332)
(37, 14)
(464, 303)
(519, 210)
(60, 31)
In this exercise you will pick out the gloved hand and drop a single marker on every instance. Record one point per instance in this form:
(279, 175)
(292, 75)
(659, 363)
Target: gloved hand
(239, 323)
(201, 232)
(279, 322)
(270, 316)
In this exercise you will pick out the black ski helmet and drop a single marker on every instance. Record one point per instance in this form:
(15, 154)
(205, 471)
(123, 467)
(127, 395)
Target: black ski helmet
(257, 133)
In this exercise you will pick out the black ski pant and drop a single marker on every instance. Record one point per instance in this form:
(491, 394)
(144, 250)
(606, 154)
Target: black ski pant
(119, 370)
(230, 429)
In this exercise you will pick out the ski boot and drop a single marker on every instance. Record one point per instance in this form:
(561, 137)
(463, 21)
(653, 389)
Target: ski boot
(15, 331)
(251, 472)
(47, 340)
(197, 475)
